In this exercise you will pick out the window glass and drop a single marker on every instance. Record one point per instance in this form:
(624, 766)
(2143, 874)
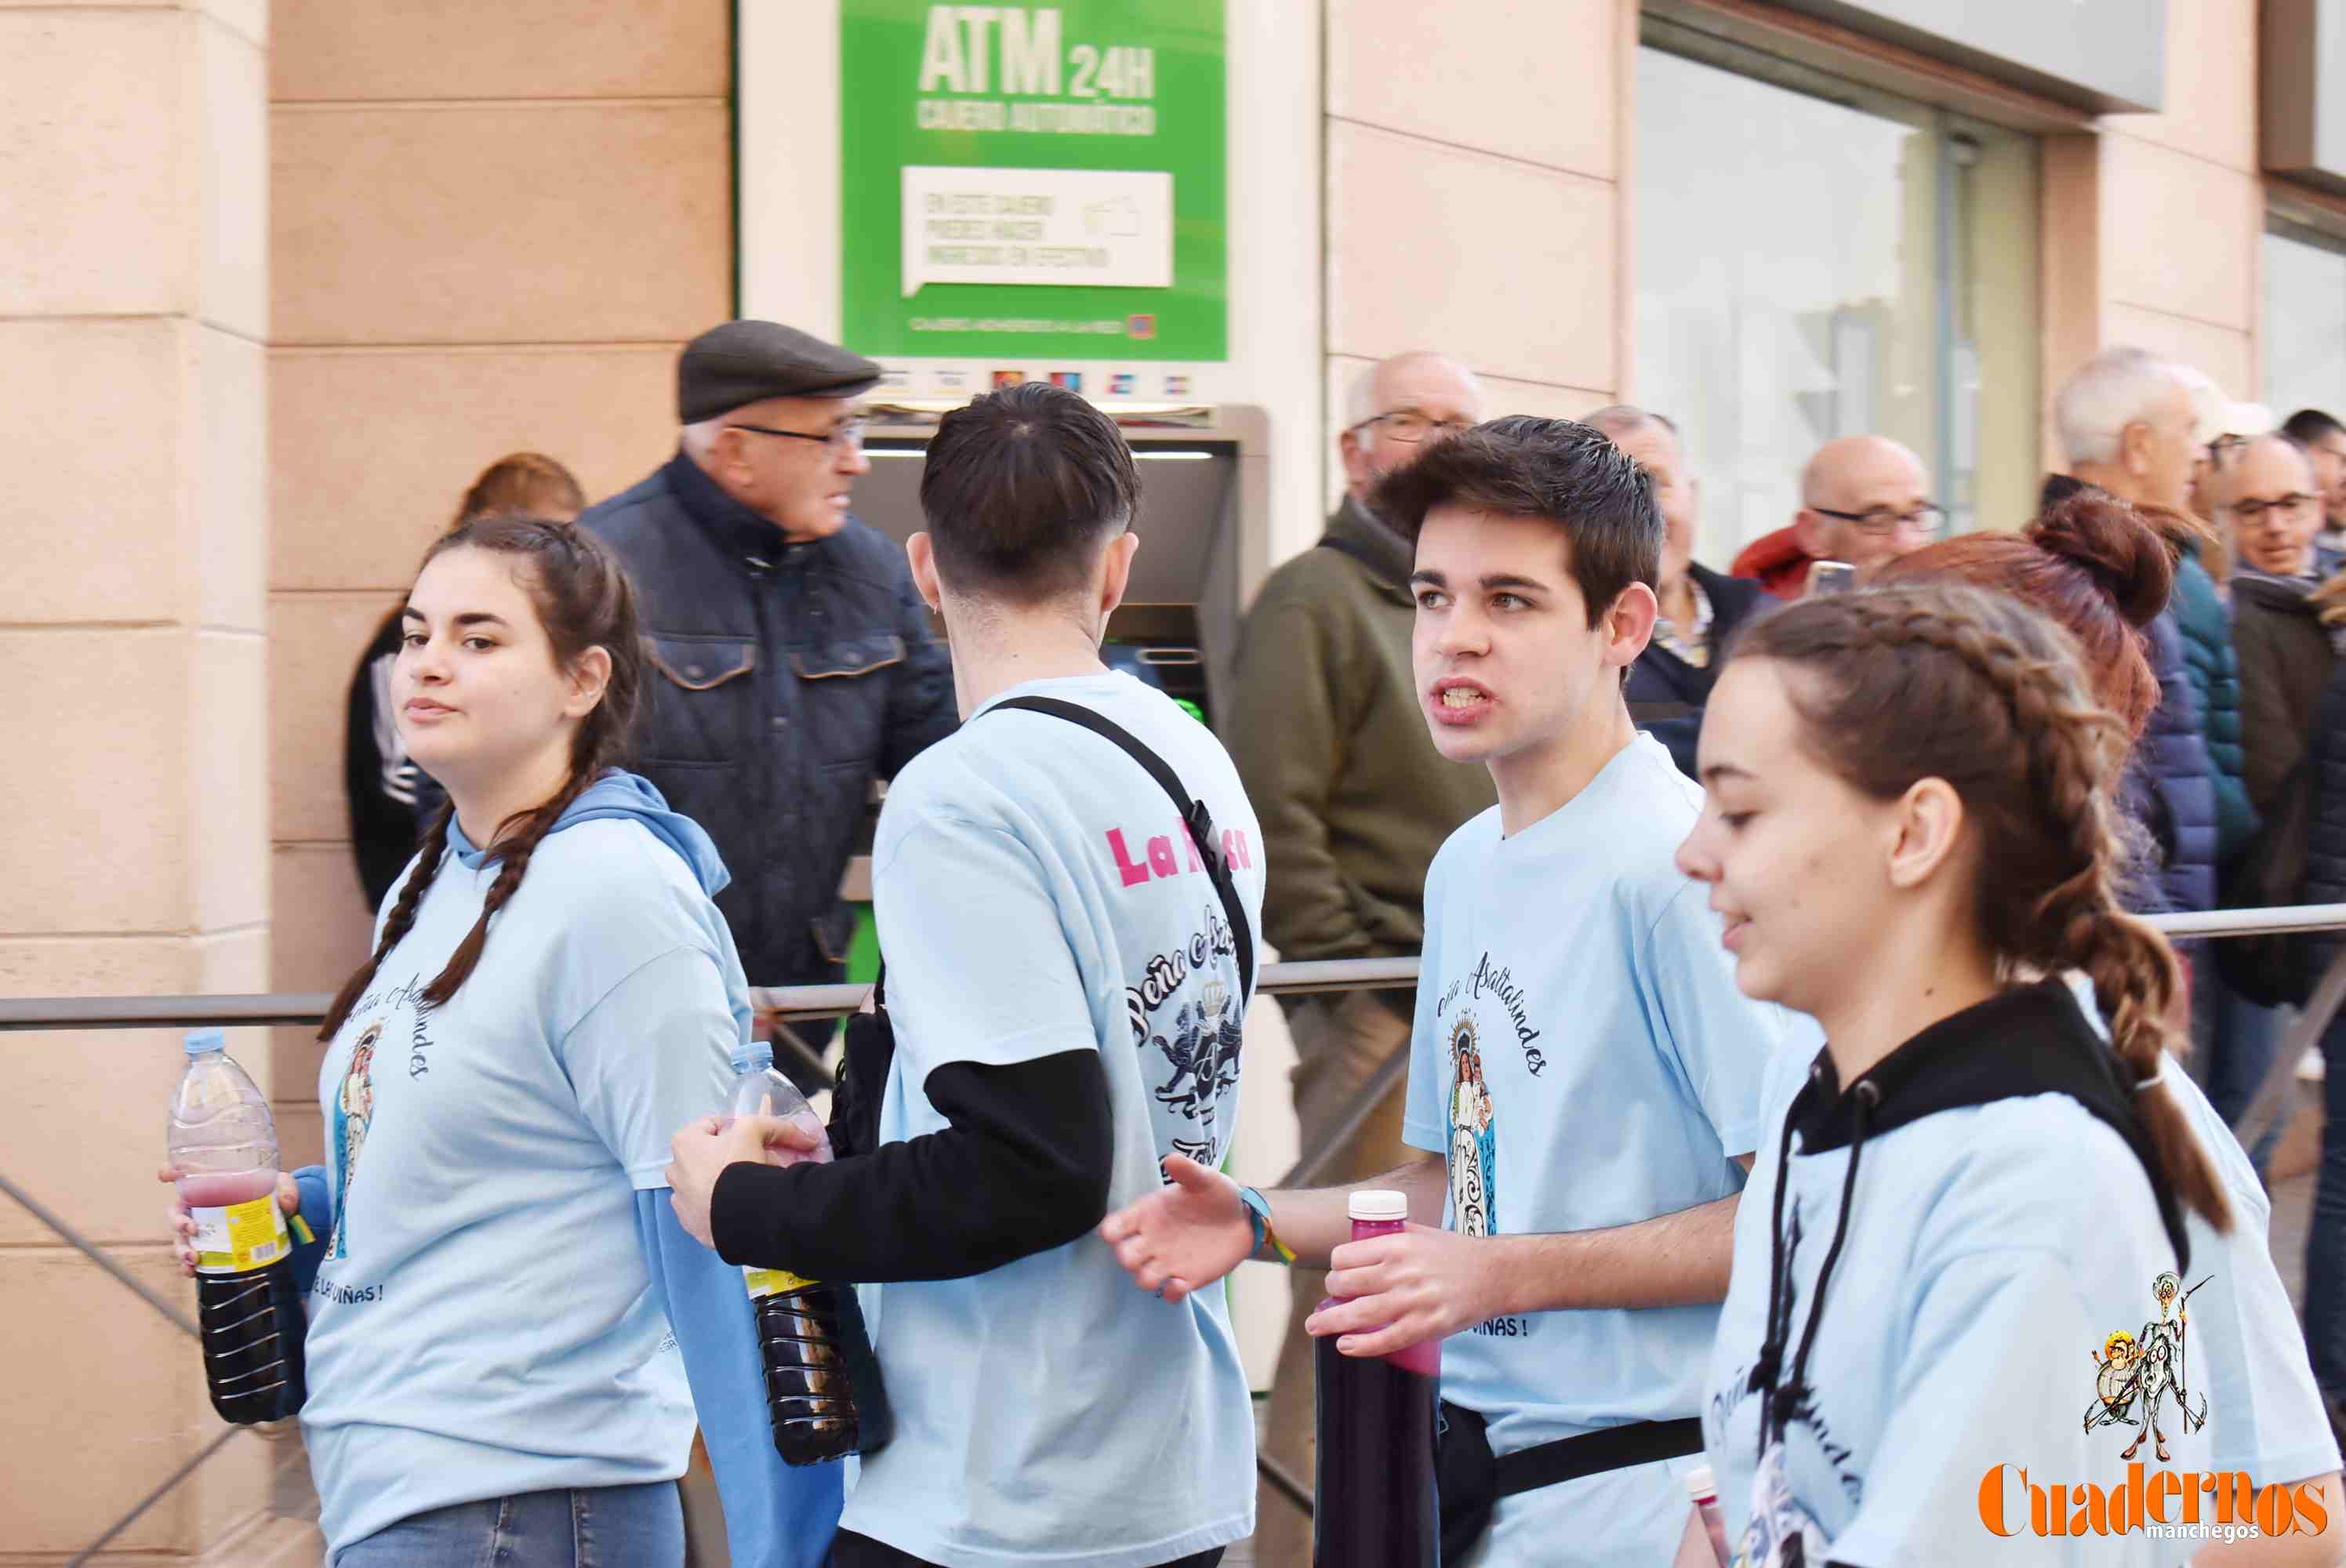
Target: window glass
(2304, 323)
(1814, 260)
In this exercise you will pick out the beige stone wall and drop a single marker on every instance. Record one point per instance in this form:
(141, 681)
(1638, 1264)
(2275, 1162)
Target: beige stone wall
(133, 311)
(1476, 190)
(2152, 227)
(491, 227)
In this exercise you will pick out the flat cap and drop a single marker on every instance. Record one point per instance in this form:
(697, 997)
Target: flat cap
(743, 362)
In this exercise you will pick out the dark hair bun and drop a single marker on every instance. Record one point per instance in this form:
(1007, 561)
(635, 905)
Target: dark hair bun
(2126, 557)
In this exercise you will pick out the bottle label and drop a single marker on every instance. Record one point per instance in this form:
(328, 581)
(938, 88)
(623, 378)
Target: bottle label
(763, 1282)
(240, 1238)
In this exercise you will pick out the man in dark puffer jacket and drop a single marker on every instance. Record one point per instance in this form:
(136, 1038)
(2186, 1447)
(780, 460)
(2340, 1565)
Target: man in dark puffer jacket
(2129, 422)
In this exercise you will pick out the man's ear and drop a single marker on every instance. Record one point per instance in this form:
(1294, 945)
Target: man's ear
(2134, 447)
(724, 446)
(922, 557)
(1115, 577)
(1809, 533)
(1930, 826)
(1354, 455)
(1628, 624)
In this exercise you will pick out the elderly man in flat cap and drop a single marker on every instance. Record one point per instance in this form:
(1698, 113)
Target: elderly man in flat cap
(793, 659)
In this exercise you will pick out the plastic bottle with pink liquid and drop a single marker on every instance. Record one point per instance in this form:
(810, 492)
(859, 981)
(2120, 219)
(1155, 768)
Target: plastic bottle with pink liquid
(224, 1144)
(1374, 1504)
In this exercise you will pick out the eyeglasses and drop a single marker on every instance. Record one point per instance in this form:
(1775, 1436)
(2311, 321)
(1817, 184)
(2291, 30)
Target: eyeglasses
(2286, 508)
(2223, 446)
(1410, 426)
(1924, 519)
(848, 437)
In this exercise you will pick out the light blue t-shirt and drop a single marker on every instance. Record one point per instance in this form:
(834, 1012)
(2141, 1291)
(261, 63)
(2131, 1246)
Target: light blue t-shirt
(1036, 895)
(2252, 1356)
(484, 1322)
(1584, 1059)
(1991, 1251)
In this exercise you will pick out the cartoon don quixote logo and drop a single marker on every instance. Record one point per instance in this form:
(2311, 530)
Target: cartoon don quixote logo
(2137, 1373)
(2140, 1372)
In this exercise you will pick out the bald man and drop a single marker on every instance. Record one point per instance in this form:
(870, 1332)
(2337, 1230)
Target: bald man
(1864, 499)
(1353, 802)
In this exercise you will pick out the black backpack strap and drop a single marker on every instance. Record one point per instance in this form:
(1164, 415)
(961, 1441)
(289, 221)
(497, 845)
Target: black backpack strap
(1194, 815)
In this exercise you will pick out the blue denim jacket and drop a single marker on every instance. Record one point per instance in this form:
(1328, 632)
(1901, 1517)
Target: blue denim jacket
(785, 678)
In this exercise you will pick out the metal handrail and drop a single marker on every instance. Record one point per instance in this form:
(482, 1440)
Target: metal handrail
(813, 1003)
(796, 1004)
(793, 1004)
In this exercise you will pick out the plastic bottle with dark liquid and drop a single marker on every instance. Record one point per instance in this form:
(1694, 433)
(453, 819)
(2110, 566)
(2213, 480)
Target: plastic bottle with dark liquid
(822, 1382)
(1374, 1504)
(224, 1144)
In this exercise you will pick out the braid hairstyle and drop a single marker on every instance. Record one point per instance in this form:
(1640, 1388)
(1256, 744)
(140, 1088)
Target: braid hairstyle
(1956, 683)
(584, 601)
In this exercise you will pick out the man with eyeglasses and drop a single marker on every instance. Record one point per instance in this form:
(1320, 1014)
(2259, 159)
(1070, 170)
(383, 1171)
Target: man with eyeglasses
(791, 657)
(1864, 500)
(1355, 801)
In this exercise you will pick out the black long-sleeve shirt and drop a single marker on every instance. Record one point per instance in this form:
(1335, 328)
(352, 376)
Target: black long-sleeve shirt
(1023, 1167)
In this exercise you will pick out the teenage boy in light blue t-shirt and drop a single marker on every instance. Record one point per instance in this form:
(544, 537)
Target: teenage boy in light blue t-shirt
(1068, 993)
(1584, 1076)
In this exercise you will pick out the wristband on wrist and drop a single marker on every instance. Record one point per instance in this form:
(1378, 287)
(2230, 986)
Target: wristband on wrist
(1258, 1209)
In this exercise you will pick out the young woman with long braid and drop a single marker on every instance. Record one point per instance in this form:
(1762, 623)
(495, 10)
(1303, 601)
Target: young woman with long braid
(1910, 815)
(509, 1332)
(2099, 570)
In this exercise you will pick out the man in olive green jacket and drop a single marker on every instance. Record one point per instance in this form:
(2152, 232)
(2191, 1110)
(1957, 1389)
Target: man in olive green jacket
(1331, 742)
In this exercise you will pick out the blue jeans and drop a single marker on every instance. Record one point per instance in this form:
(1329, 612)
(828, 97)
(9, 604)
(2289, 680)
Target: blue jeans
(592, 1527)
(2325, 1241)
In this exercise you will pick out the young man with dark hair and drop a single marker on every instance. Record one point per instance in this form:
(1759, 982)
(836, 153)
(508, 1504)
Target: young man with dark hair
(2325, 442)
(1584, 1076)
(1067, 975)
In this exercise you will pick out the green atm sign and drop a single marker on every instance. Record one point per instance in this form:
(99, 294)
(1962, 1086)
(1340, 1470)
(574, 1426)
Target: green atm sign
(1034, 181)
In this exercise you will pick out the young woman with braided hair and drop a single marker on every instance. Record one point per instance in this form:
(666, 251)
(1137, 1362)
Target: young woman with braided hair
(1910, 818)
(392, 799)
(509, 1332)
(2100, 571)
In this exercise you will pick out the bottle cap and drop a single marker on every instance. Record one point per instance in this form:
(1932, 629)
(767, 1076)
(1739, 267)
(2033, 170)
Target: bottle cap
(199, 1041)
(1378, 1202)
(753, 1056)
(1699, 1483)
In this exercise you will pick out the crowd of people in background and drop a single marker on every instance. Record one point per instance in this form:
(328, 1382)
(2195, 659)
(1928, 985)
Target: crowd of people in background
(1569, 787)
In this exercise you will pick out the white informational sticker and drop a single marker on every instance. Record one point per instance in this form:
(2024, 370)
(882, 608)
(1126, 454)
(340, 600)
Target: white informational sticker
(211, 1229)
(1046, 226)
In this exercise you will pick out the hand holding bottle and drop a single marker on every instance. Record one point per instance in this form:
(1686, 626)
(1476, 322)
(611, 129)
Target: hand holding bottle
(183, 1217)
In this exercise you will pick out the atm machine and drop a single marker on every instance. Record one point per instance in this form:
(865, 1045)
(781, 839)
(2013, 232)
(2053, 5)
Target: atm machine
(1204, 546)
